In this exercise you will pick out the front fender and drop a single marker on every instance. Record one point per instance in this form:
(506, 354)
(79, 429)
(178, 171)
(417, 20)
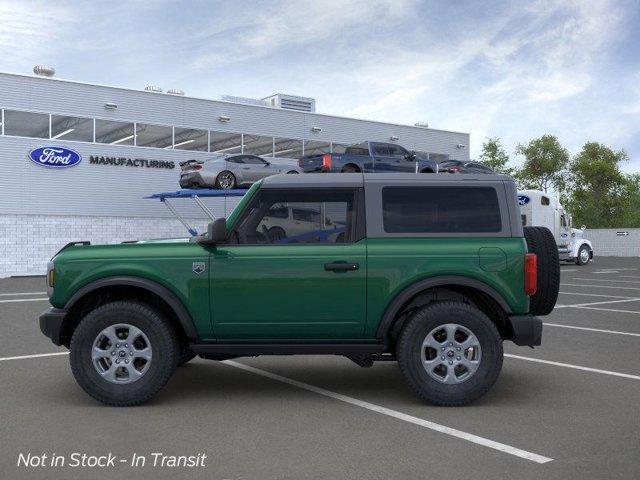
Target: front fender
(579, 243)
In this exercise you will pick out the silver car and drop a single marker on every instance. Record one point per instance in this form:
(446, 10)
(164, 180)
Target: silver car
(231, 171)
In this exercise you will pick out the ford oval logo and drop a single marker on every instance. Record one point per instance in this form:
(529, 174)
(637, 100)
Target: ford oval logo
(55, 157)
(523, 200)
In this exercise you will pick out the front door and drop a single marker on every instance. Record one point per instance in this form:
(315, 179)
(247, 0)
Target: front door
(283, 281)
(255, 168)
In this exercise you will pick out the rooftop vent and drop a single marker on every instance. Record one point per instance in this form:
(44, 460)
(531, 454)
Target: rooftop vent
(244, 100)
(44, 71)
(422, 124)
(292, 102)
(175, 91)
(153, 88)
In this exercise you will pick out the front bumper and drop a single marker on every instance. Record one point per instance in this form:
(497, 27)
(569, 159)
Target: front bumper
(527, 330)
(51, 324)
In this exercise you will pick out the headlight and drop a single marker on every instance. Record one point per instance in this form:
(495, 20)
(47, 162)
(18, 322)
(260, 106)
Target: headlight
(51, 277)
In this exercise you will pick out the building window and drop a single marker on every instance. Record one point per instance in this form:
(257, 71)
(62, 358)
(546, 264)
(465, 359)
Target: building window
(26, 124)
(157, 136)
(287, 148)
(225, 143)
(258, 145)
(114, 133)
(72, 128)
(190, 139)
(441, 210)
(312, 147)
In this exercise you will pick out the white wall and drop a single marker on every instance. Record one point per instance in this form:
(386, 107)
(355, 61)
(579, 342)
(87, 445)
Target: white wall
(27, 242)
(607, 243)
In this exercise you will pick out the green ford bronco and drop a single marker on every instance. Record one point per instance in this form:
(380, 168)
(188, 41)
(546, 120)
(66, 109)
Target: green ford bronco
(431, 271)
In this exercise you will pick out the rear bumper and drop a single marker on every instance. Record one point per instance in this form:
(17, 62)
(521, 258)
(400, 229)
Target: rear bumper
(527, 330)
(51, 322)
(188, 180)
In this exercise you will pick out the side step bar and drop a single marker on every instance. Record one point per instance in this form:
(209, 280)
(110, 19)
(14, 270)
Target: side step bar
(247, 349)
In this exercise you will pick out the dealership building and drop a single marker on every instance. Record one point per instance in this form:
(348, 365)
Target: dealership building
(128, 144)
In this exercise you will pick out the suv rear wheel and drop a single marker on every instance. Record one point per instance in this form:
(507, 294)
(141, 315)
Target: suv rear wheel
(123, 353)
(450, 353)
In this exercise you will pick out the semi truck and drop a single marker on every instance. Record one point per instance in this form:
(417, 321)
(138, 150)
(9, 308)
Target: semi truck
(539, 209)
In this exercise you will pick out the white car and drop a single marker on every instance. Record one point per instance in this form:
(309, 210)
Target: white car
(287, 224)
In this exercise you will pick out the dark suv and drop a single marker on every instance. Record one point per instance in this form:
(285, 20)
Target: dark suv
(369, 157)
(433, 271)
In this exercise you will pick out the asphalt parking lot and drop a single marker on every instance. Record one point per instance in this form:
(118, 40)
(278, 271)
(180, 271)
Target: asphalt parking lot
(569, 409)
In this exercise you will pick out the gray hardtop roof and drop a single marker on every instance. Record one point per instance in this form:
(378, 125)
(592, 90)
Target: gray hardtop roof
(338, 180)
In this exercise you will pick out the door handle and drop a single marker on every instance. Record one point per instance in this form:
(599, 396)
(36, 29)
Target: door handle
(341, 266)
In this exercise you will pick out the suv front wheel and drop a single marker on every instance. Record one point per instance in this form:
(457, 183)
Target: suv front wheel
(123, 353)
(450, 353)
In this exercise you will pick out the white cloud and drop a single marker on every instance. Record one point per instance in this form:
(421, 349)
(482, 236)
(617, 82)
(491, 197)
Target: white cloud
(30, 27)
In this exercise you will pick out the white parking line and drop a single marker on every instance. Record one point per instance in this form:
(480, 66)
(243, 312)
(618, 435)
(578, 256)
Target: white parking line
(23, 357)
(598, 286)
(629, 276)
(576, 367)
(615, 332)
(607, 280)
(610, 310)
(21, 293)
(598, 303)
(593, 295)
(15, 300)
(395, 414)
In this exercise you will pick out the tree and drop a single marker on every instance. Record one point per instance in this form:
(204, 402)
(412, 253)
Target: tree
(545, 164)
(599, 192)
(632, 216)
(494, 156)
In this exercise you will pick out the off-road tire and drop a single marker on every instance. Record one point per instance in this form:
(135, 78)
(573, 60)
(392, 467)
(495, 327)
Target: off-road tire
(409, 345)
(579, 259)
(540, 241)
(164, 344)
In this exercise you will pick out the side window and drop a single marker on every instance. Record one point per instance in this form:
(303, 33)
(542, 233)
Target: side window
(278, 210)
(381, 150)
(318, 217)
(441, 210)
(251, 160)
(544, 200)
(356, 151)
(397, 151)
(524, 220)
(235, 159)
(563, 221)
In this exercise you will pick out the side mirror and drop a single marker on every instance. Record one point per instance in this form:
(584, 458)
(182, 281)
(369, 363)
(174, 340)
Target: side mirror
(583, 227)
(267, 164)
(216, 232)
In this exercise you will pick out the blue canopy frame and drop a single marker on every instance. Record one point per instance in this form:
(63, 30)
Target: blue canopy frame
(195, 194)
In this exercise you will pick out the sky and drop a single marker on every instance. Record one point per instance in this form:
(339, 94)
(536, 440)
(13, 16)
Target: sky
(513, 70)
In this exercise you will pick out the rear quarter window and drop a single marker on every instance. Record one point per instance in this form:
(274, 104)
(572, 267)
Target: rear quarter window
(443, 209)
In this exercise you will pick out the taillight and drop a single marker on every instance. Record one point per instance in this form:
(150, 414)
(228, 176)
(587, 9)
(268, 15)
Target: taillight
(455, 169)
(326, 161)
(197, 167)
(530, 273)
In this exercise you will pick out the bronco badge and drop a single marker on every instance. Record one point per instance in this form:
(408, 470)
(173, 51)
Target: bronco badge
(198, 267)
